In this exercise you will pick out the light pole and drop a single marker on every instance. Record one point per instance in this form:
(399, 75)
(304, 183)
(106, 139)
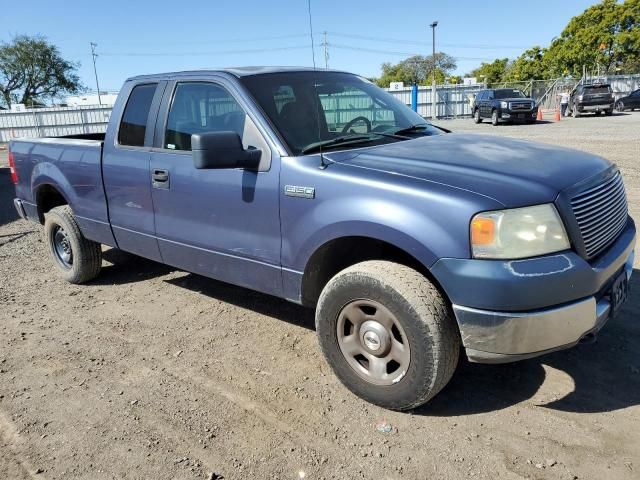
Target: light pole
(94, 55)
(434, 100)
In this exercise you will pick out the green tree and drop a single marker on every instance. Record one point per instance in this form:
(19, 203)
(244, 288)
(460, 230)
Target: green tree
(494, 72)
(33, 71)
(417, 70)
(606, 35)
(531, 65)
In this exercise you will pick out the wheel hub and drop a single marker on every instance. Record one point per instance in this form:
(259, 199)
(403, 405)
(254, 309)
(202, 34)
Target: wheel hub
(373, 342)
(375, 338)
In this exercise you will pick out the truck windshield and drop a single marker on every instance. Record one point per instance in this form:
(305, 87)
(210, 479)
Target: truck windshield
(314, 108)
(509, 93)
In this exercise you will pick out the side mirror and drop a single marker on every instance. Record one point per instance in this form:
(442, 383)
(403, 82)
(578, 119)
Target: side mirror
(222, 150)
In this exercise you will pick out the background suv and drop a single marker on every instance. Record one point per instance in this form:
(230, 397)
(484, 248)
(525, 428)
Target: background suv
(506, 104)
(595, 98)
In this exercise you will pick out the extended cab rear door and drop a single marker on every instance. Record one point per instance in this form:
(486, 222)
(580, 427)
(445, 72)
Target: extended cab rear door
(221, 223)
(126, 170)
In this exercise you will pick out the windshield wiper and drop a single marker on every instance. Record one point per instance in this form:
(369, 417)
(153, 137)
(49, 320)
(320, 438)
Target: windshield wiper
(342, 140)
(412, 128)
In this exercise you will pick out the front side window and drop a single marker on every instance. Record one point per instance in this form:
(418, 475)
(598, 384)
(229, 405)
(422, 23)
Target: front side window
(133, 125)
(311, 108)
(199, 107)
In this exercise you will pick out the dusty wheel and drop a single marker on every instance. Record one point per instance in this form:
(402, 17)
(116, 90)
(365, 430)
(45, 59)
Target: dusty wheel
(388, 334)
(574, 111)
(476, 116)
(77, 259)
(494, 118)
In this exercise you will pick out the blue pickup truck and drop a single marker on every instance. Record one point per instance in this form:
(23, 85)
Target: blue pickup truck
(412, 243)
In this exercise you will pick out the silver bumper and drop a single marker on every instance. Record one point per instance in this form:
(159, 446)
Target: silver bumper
(589, 108)
(19, 208)
(501, 337)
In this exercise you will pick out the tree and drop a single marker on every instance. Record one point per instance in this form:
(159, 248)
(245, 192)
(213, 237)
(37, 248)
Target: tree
(492, 73)
(604, 36)
(33, 71)
(417, 70)
(533, 64)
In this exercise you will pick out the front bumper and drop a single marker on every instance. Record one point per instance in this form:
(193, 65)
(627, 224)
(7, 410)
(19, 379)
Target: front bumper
(522, 115)
(512, 310)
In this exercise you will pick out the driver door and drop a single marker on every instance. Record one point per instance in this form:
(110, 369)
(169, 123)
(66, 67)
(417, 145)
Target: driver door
(220, 223)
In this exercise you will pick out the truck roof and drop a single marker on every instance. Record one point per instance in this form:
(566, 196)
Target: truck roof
(235, 71)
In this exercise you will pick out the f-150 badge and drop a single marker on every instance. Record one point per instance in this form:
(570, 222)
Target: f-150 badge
(297, 191)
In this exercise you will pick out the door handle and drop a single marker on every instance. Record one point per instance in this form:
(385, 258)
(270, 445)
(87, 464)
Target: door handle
(160, 178)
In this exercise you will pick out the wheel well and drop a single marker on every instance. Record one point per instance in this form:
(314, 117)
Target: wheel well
(48, 197)
(336, 255)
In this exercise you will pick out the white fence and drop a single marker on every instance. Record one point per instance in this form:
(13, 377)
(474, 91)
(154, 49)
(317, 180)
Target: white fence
(453, 101)
(53, 121)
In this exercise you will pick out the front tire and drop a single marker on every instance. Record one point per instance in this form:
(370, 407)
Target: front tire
(76, 258)
(608, 112)
(494, 118)
(620, 106)
(388, 334)
(476, 116)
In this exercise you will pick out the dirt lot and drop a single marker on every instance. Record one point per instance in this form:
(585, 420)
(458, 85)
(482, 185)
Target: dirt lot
(150, 372)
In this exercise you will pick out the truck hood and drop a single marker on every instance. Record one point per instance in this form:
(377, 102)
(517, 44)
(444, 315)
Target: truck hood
(513, 172)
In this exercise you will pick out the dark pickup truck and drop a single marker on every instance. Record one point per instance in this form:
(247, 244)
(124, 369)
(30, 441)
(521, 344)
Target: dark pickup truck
(596, 98)
(504, 105)
(320, 188)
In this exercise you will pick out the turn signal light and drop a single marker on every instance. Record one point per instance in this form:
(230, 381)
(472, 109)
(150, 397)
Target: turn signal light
(483, 231)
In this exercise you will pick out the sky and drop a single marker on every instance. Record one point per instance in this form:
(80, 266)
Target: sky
(150, 36)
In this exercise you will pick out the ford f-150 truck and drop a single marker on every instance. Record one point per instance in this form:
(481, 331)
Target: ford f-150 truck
(320, 188)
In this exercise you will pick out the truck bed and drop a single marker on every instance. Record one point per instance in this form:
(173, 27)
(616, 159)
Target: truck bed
(73, 162)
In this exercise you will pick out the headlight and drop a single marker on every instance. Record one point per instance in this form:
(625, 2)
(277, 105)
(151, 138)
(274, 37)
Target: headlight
(518, 233)
(504, 105)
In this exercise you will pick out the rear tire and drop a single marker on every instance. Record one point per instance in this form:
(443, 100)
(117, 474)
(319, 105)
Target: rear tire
(368, 297)
(494, 118)
(574, 111)
(608, 112)
(476, 116)
(76, 258)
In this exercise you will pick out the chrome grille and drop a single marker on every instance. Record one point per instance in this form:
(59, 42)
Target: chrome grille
(601, 213)
(521, 105)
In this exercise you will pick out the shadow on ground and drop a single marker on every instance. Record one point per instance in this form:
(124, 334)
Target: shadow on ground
(7, 194)
(605, 374)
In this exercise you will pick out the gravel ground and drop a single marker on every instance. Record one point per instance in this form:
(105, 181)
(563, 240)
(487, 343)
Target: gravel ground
(150, 372)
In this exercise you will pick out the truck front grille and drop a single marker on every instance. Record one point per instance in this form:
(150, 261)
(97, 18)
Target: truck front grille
(601, 213)
(521, 105)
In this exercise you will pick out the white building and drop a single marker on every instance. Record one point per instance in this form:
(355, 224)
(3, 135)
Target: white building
(91, 98)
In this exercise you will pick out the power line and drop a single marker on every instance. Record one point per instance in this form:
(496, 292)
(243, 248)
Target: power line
(214, 41)
(184, 54)
(403, 54)
(417, 42)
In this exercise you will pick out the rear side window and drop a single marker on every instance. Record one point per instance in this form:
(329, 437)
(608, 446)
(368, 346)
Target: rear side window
(133, 125)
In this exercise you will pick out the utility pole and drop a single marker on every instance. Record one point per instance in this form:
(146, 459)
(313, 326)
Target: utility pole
(325, 44)
(434, 99)
(95, 55)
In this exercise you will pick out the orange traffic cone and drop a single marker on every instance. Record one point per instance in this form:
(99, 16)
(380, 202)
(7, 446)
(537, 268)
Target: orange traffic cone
(539, 117)
(557, 115)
